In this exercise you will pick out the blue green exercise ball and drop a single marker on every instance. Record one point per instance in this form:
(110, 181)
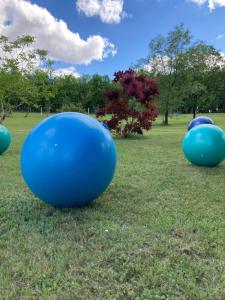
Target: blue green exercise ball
(5, 139)
(68, 160)
(204, 145)
(199, 121)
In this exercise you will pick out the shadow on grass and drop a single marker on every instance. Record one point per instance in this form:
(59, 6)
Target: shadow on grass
(34, 210)
(216, 170)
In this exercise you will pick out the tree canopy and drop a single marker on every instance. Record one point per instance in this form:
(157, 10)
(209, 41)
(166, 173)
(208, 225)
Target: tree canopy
(185, 70)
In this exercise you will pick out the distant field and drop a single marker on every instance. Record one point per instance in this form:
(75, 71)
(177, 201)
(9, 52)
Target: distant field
(158, 232)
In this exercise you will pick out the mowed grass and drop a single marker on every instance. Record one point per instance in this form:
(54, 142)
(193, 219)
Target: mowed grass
(158, 232)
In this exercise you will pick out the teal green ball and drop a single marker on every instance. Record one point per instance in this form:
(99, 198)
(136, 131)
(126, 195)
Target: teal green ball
(204, 145)
(5, 139)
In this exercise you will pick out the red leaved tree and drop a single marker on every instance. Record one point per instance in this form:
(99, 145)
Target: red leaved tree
(131, 105)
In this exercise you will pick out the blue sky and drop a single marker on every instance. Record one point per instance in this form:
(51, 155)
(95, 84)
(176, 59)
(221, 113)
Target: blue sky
(144, 20)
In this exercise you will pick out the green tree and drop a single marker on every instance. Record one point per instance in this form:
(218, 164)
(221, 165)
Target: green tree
(96, 86)
(164, 62)
(18, 60)
(67, 96)
(43, 90)
(201, 63)
(216, 83)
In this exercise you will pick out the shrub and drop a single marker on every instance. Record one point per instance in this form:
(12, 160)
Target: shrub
(131, 104)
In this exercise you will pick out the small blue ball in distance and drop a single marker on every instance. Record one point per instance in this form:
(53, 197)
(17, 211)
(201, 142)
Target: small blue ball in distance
(199, 121)
(204, 145)
(68, 159)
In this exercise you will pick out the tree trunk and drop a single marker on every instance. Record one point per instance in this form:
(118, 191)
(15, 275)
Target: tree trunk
(194, 108)
(166, 118)
(27, 113)
(4, 115)
(48, 111)
(2, 119)
(2, 107)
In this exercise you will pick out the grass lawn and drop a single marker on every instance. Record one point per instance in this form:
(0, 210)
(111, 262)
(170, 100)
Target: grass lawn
(158, 232)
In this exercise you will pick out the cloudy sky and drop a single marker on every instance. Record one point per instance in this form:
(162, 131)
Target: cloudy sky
(102, 36)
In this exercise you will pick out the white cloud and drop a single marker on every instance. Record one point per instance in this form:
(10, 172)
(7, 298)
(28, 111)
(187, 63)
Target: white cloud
(20, 17)
(220, 37)
(66, 71)
(212, 4)
(109, 11)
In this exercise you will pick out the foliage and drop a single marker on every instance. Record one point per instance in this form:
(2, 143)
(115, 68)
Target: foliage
(190, 74)
(76, 107)
(191, 78)
(84, 92)
(131, 104)
(164, 62)
(200, 63)
(18, 60)
(28, 82)
(96, 86)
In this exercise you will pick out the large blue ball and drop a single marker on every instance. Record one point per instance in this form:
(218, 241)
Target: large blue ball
(199, 121)
(204, 145)
(68, 160)
(105, 125)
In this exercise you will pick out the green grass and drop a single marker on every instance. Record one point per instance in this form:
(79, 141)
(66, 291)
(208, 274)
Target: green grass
(158, 232)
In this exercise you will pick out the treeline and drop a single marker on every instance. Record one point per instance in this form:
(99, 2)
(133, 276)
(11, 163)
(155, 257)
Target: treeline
(191, 77)
(40, 92)
(28, 82)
